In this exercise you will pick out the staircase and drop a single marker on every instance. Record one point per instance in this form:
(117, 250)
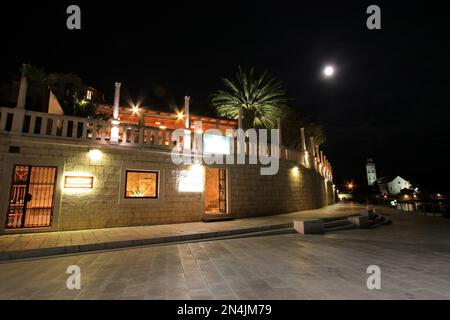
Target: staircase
(337, 224)
(342, 223)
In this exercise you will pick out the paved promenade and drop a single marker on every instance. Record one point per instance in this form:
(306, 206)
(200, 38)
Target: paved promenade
(51, 243)
(413, 255)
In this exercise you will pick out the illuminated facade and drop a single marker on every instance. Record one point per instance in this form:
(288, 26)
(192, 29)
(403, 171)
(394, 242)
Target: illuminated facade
(67, 173)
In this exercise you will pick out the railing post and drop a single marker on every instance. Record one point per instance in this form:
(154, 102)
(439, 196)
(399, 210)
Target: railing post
(313, 153)
(124, 134)
(74, 129)
(54, 126)
(103, 135)
(84, 130)
(44, 125)
(141, 135)
(3, 119)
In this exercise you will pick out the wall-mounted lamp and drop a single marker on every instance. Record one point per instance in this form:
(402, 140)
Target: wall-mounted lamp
(295, 171)
(95, 155)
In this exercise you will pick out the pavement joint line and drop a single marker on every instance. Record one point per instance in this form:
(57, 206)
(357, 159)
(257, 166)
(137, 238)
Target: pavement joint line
(129, 238)
(97, 247)
(77, 253)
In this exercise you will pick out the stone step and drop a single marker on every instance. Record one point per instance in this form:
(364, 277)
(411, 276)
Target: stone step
(349, 226)
(212, 217)
(337, 223)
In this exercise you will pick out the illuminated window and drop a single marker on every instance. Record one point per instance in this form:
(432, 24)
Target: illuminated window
(89, 94)
(141, 184)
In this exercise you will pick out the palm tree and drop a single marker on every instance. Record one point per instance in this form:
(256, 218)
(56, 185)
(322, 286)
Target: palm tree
(261, 98)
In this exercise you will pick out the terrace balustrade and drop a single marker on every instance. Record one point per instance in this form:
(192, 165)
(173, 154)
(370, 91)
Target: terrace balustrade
(14, 121)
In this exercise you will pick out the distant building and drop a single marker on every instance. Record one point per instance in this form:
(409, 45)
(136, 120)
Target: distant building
(371, 172)
(392, 186)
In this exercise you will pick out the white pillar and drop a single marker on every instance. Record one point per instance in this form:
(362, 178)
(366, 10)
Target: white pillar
(279, 131)
(313, 152)
(322, 164)
(303, 147)
(313, 147)
(115, 121)
(303, 141)
(240, 118)
(187, 131)
(116, 101)
(19, 112)
(22, 89)
(186, 111)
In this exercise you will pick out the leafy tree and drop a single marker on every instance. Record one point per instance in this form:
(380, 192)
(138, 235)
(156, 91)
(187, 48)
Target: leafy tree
(66, 87)
(261, 98)
(291, 130)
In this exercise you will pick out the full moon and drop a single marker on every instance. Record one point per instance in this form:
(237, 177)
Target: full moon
(328, 71)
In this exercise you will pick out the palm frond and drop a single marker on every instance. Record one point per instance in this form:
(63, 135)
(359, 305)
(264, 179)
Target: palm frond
(261, 98)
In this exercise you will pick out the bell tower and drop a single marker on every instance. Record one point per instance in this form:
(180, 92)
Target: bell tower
(371, 172)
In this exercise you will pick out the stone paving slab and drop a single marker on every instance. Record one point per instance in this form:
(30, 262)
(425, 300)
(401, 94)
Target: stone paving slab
(18, 246)
(412, 253)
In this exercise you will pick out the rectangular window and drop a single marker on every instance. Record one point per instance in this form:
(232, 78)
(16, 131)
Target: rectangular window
(141, 184)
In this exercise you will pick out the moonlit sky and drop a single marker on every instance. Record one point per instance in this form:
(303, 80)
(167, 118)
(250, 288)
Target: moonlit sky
(388, 98)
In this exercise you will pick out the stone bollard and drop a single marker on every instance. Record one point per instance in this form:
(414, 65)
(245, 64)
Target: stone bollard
(311, 226)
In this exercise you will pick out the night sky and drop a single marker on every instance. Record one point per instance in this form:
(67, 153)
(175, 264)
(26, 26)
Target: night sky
(389, 99)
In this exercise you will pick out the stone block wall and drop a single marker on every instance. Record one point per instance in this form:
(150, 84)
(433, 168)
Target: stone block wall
(249, 194)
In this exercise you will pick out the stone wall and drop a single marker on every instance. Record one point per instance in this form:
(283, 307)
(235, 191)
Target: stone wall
(249, 194)
(254, 195)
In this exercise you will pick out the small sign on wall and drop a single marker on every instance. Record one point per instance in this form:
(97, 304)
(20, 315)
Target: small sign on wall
(79, 182)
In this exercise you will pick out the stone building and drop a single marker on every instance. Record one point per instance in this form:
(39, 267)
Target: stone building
(67, 173)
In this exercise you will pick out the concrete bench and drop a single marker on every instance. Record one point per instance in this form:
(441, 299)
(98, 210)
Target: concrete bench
(309, 226)
(359, 221)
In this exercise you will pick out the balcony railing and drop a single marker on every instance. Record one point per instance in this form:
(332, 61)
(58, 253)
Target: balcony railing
(77, 129)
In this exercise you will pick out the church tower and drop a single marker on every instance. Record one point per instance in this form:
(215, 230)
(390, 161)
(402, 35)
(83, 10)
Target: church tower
(371, 172)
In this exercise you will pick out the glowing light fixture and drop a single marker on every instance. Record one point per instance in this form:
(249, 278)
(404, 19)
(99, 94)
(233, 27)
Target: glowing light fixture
(295, 171)
(192, 180)
(79, 182)
(135, 109)
(162, 127)
(95, 155)
(180, 115)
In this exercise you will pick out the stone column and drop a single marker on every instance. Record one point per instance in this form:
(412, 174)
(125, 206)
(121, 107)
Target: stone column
(116, 101)
(19, 112)
(22, 89)
(186, 112)
(322, 164)
(187, 128)
(304, 152)
(240, 118)
(115, 121)
(313, 152)
(280, 141)
(317, 158)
